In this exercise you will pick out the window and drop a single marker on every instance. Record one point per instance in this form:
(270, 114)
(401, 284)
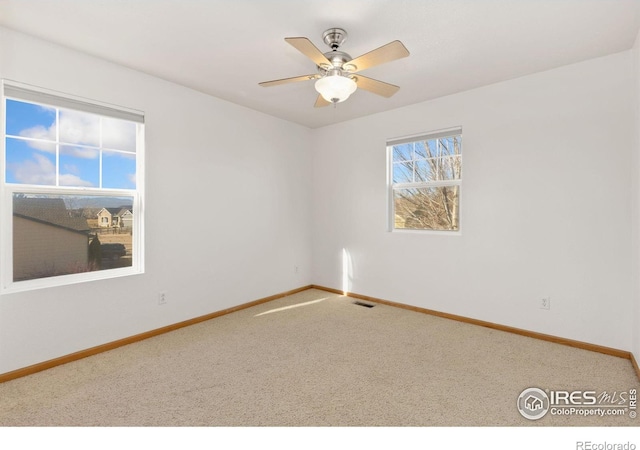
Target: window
(71, 190)
(425, 180)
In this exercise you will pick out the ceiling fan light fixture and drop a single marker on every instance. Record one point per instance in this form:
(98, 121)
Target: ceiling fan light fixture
(335, 88)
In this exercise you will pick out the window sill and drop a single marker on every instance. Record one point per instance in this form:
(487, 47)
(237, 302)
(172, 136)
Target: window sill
(64, 280)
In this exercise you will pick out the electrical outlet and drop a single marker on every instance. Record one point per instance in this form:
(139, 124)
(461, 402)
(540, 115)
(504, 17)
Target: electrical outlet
(545, 303)
(162, 298)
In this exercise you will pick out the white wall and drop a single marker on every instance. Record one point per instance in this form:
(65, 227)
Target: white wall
(545, 205)
(635, 169)
(237, 180)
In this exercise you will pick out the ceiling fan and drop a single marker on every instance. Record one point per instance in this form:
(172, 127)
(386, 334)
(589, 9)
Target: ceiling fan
(338, 74)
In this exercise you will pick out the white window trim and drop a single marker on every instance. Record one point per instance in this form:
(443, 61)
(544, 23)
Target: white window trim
(391, 187)
(7, 285)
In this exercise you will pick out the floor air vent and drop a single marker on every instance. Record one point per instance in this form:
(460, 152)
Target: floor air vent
(366, 305)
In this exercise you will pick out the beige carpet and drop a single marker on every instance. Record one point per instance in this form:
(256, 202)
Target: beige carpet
(315, 359)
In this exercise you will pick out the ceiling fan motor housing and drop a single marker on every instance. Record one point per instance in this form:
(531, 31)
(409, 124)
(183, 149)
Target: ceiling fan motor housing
(337, 59)
(334, 37)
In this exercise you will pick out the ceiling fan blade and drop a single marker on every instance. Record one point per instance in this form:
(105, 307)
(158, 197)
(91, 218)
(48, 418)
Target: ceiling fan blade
(375, 86)
(306, 47)
(287, 80)
(390, 52)
(320, 102)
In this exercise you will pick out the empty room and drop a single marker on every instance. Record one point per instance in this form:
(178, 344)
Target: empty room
(320, 213)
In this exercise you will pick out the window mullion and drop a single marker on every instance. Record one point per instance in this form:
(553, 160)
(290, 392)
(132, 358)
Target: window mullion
(100, 154)
(425, 184)
(57, 146)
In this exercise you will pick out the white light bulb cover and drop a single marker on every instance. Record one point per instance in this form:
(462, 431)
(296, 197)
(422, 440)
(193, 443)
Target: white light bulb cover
(335, 88)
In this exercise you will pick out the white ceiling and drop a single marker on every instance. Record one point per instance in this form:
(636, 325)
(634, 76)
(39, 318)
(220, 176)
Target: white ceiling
(226, 47)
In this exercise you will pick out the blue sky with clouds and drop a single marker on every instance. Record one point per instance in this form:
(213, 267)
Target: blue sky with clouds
(32, 134)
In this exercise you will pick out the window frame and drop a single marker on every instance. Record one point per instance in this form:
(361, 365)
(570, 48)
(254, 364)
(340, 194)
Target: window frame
(7, 190)
(392, 187)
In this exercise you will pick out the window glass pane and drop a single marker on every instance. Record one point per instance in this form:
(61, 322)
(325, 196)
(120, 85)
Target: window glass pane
(403, 172)
(403, 152)
(118, 170)
(29, 120)
(432, 148)
(447, 146)
(78, 127)
(30, 162)
(433, 208)
(64, 234)
(420, 150)
(445, 168)
(79, 166)
(118, 134)
(423, 170)
(450, 168)
(450, 146)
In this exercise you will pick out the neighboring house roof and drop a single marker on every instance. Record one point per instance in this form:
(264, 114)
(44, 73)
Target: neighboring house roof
(117, 212)
(50, 211)
(123, 211)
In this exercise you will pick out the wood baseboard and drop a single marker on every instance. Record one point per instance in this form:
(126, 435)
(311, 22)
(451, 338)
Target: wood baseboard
(136, 338)
(495, 326)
